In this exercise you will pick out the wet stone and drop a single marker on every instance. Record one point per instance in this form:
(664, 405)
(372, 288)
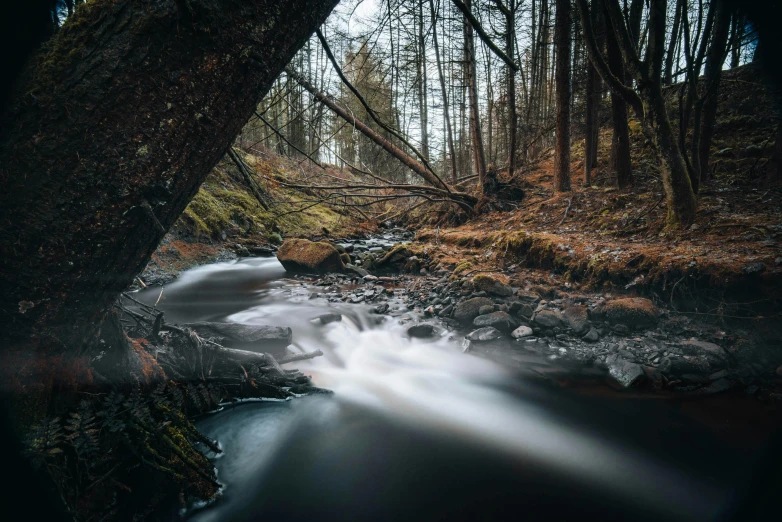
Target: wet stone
(328, 318)
(521, 332)
(577, 318)
(421, 331)
(484, 334)
(623, 372)
(500, 320)
(547, 319)
(466, 311)
(592, 336)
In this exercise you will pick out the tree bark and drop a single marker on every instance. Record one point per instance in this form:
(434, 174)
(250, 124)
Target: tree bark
(562, 80)
(647, 102)
(593, 88)
(706, 111)
(479, 157)
(446, 107)
(117, 122)
(621, 166)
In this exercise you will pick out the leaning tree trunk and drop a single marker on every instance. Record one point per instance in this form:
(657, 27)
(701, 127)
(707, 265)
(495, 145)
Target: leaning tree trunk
(116, 124)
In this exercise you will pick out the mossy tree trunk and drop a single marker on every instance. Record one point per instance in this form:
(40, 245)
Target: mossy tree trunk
(114, 126)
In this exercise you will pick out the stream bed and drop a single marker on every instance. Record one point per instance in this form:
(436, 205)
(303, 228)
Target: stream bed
(418, 430)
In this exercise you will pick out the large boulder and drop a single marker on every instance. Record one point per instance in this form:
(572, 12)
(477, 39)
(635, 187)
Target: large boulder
(635, 312)
(252, 337)
(466, 311)
(301, 255)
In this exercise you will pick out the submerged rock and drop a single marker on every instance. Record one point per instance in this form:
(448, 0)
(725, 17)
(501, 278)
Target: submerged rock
(328, 318)
(466, 311)
(484, 334)
(421, 331)
(301, 255)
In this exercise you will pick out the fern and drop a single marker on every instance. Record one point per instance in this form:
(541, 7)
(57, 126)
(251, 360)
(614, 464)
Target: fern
(45, 440)
(82, 431)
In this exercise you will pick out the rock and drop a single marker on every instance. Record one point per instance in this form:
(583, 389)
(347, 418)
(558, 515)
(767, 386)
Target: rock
(492, 286)
(328, 318)
(635, 312)
(779, 371)
(654, 375)
(345, 258)
(703, 348)
(369, 277)
(689, 365)
(521, 332)
(486, 309)
(528, 297)
(625, 373)
(718, 386)
(260, 251)
(252, 337)
(592, 336)
(499, 320)
(547, 319)
(301, 255)
(577, 317)
(621, 329)
(421, 331)
(445, 312)
(380, 309)
(394, 259)
(484, 334)
(466, 311)
(356, 270)
(754, 268)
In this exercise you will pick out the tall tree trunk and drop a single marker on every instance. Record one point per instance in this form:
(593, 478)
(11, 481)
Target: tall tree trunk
(680, 199)
(510, 37)
(118, 121)
(620, 162)
(706, 111)
(479, 157)
(562, 78)
(446, 107)
(422, 83)
(593, 88)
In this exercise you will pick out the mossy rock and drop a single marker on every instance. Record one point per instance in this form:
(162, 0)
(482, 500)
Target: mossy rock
(635, 312)
(301, 255)
(491, 285)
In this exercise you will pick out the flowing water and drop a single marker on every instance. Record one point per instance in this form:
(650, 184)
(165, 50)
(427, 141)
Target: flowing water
(418, 430)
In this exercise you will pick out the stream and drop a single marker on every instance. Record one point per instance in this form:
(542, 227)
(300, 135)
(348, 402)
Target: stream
(418, 430)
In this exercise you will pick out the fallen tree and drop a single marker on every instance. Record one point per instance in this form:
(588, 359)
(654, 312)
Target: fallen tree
(438, 186)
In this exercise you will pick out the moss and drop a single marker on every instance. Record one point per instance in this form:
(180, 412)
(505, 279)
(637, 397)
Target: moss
(462, 267)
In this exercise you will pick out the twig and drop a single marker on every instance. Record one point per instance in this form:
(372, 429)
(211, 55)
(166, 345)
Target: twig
(564, 217)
